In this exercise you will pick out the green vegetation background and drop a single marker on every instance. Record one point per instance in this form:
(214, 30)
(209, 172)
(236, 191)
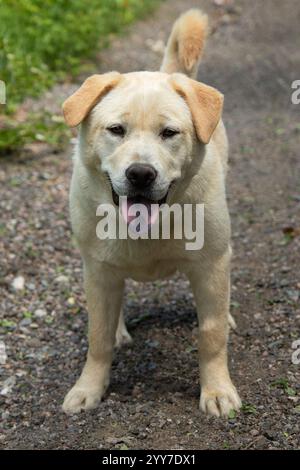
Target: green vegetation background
(43, 42)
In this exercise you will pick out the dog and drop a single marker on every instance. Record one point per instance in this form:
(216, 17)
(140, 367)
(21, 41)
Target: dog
(154, 137)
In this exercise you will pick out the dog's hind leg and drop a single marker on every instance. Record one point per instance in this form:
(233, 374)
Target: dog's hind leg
(231, 322)
(122, 335)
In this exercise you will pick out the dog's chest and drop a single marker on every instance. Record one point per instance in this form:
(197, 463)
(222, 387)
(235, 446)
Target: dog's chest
(139, 260)
(151, 271)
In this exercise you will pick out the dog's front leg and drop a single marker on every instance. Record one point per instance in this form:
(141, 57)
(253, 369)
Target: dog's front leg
(104, 291)
(211, 291)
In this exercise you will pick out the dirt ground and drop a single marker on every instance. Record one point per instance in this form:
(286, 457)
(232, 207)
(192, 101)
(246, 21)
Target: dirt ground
(252, 57)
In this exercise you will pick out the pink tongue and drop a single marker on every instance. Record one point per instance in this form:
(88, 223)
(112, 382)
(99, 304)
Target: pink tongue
(129, 215)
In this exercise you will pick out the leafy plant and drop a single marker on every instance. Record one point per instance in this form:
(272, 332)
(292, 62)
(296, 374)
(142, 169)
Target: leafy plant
(43, 42)
(232, 414)
(38, 127)
(7, 323)
(248, 408)
(284, 384)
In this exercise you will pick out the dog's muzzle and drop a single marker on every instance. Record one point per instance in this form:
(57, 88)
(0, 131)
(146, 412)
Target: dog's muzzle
(139, 191)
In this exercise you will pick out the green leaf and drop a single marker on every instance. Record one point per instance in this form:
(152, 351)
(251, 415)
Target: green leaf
(297, 409)
(232, 414)
(291, 392)
(247, 408)
(124, 447)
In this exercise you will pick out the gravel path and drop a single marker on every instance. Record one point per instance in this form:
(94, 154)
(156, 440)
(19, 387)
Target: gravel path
(253, 56)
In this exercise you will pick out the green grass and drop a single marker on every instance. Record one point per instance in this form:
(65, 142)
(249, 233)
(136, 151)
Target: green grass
(284, 384)
(46, 41)
(38, 127)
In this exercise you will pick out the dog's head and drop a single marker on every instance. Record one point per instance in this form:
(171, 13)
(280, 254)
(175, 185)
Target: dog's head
(140, 128)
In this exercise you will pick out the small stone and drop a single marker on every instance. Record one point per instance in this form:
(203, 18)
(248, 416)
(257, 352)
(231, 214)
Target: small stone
(293, 295)
(112, 440)
(139, 408)
(5, 415)
(25, 322)
(71, 301)
(8, 385)
(220, 2)
(270, 435)
(18, 283)
(61, 279)
(40, 313)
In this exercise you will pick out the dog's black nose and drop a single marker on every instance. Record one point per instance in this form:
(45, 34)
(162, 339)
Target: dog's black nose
(141, 175)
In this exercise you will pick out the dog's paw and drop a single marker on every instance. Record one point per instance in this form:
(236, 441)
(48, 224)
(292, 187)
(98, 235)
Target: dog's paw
(122, 336)
(220, 401)
(81, 398)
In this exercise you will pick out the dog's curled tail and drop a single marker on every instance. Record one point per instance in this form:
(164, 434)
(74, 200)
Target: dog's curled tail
(186, 43)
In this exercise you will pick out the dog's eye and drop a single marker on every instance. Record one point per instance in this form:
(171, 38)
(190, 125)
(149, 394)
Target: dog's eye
(167, 133)
(117, 129)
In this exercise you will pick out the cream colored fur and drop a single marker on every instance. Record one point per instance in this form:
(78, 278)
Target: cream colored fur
(195, 160)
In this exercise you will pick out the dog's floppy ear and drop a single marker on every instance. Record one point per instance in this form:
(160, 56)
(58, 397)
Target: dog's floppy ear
(78, 105)
(205, 103)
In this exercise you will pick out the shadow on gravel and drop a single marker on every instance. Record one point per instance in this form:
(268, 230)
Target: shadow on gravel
(160, 317)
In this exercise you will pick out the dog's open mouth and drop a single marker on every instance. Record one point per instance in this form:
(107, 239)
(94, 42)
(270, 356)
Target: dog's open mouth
(132, 207)
(138, 199)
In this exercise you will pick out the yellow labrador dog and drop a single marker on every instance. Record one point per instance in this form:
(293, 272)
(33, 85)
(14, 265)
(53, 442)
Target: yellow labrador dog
(154, 137)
